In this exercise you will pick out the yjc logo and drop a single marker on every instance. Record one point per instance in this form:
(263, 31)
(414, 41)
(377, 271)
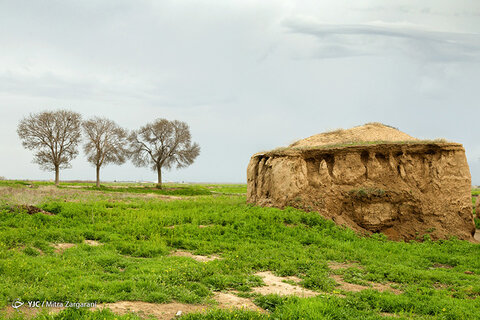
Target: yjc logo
(34, 304)
(17, 304)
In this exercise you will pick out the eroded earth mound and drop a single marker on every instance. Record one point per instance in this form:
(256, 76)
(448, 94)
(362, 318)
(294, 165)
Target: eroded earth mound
(371, 178)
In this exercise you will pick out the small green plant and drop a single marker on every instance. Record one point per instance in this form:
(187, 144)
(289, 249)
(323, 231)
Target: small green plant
(355, 275)
(379, 236)
(270, 302)
(31, 251)
(427, 237)
(363, 193)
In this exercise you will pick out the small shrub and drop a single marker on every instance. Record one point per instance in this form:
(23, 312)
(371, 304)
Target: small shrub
(379, 236)
(31, 252)
(318, 279)
(269, 302)
(143, 249)
(366, 193)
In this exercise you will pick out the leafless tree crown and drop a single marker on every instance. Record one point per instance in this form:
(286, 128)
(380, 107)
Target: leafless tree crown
(54, 134)
(105, 142)
(163, 144)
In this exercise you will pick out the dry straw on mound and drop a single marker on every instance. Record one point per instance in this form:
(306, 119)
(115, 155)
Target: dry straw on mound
(369, 132)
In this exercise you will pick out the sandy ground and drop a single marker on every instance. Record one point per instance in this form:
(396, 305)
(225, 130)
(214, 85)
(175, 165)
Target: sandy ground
(61, 247)
(352, 287)
(229, 301)
(276, 285)
(93, 243)
(193, 256)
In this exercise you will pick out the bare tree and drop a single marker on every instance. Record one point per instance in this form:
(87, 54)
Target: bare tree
(106, 143)
(55, 135)
(163, 144)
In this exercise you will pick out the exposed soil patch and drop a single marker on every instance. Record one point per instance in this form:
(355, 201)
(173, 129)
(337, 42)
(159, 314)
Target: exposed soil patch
(477, 233)
(442, 266)
(389, 315)
(154, 195)
(352, 287)
(343, 265)
(439, 285)
(276, 285)
(60, 247)
(162, 311)
(93, 243)
(201, 226)
(289, 225)
(29, 209)
(193, 256)
(229, 300)
(170, 310)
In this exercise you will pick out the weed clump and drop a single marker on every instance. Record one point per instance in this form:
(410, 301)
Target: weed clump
(367, 193)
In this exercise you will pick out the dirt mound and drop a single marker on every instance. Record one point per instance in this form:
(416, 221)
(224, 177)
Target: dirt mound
(367, 133)
(409, 189)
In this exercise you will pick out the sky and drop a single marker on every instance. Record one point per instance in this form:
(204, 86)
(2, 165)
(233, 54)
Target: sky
(246, 76)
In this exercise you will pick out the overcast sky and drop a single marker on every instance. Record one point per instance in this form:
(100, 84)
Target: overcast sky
(245, 75)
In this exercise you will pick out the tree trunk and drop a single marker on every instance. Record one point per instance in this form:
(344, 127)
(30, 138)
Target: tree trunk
(57, 175)
(159, 172)
(98, 176)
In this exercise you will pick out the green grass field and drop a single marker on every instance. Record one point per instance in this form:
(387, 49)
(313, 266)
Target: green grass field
(134, 224)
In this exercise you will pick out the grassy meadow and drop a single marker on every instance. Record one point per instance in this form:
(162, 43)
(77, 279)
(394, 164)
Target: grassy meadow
(137, 228)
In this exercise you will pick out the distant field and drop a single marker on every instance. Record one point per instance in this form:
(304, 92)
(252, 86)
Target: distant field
(190, 247)
(169, 188)
(475, 192)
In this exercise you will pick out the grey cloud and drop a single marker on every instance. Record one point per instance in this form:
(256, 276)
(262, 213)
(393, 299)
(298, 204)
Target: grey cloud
(360, 39)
